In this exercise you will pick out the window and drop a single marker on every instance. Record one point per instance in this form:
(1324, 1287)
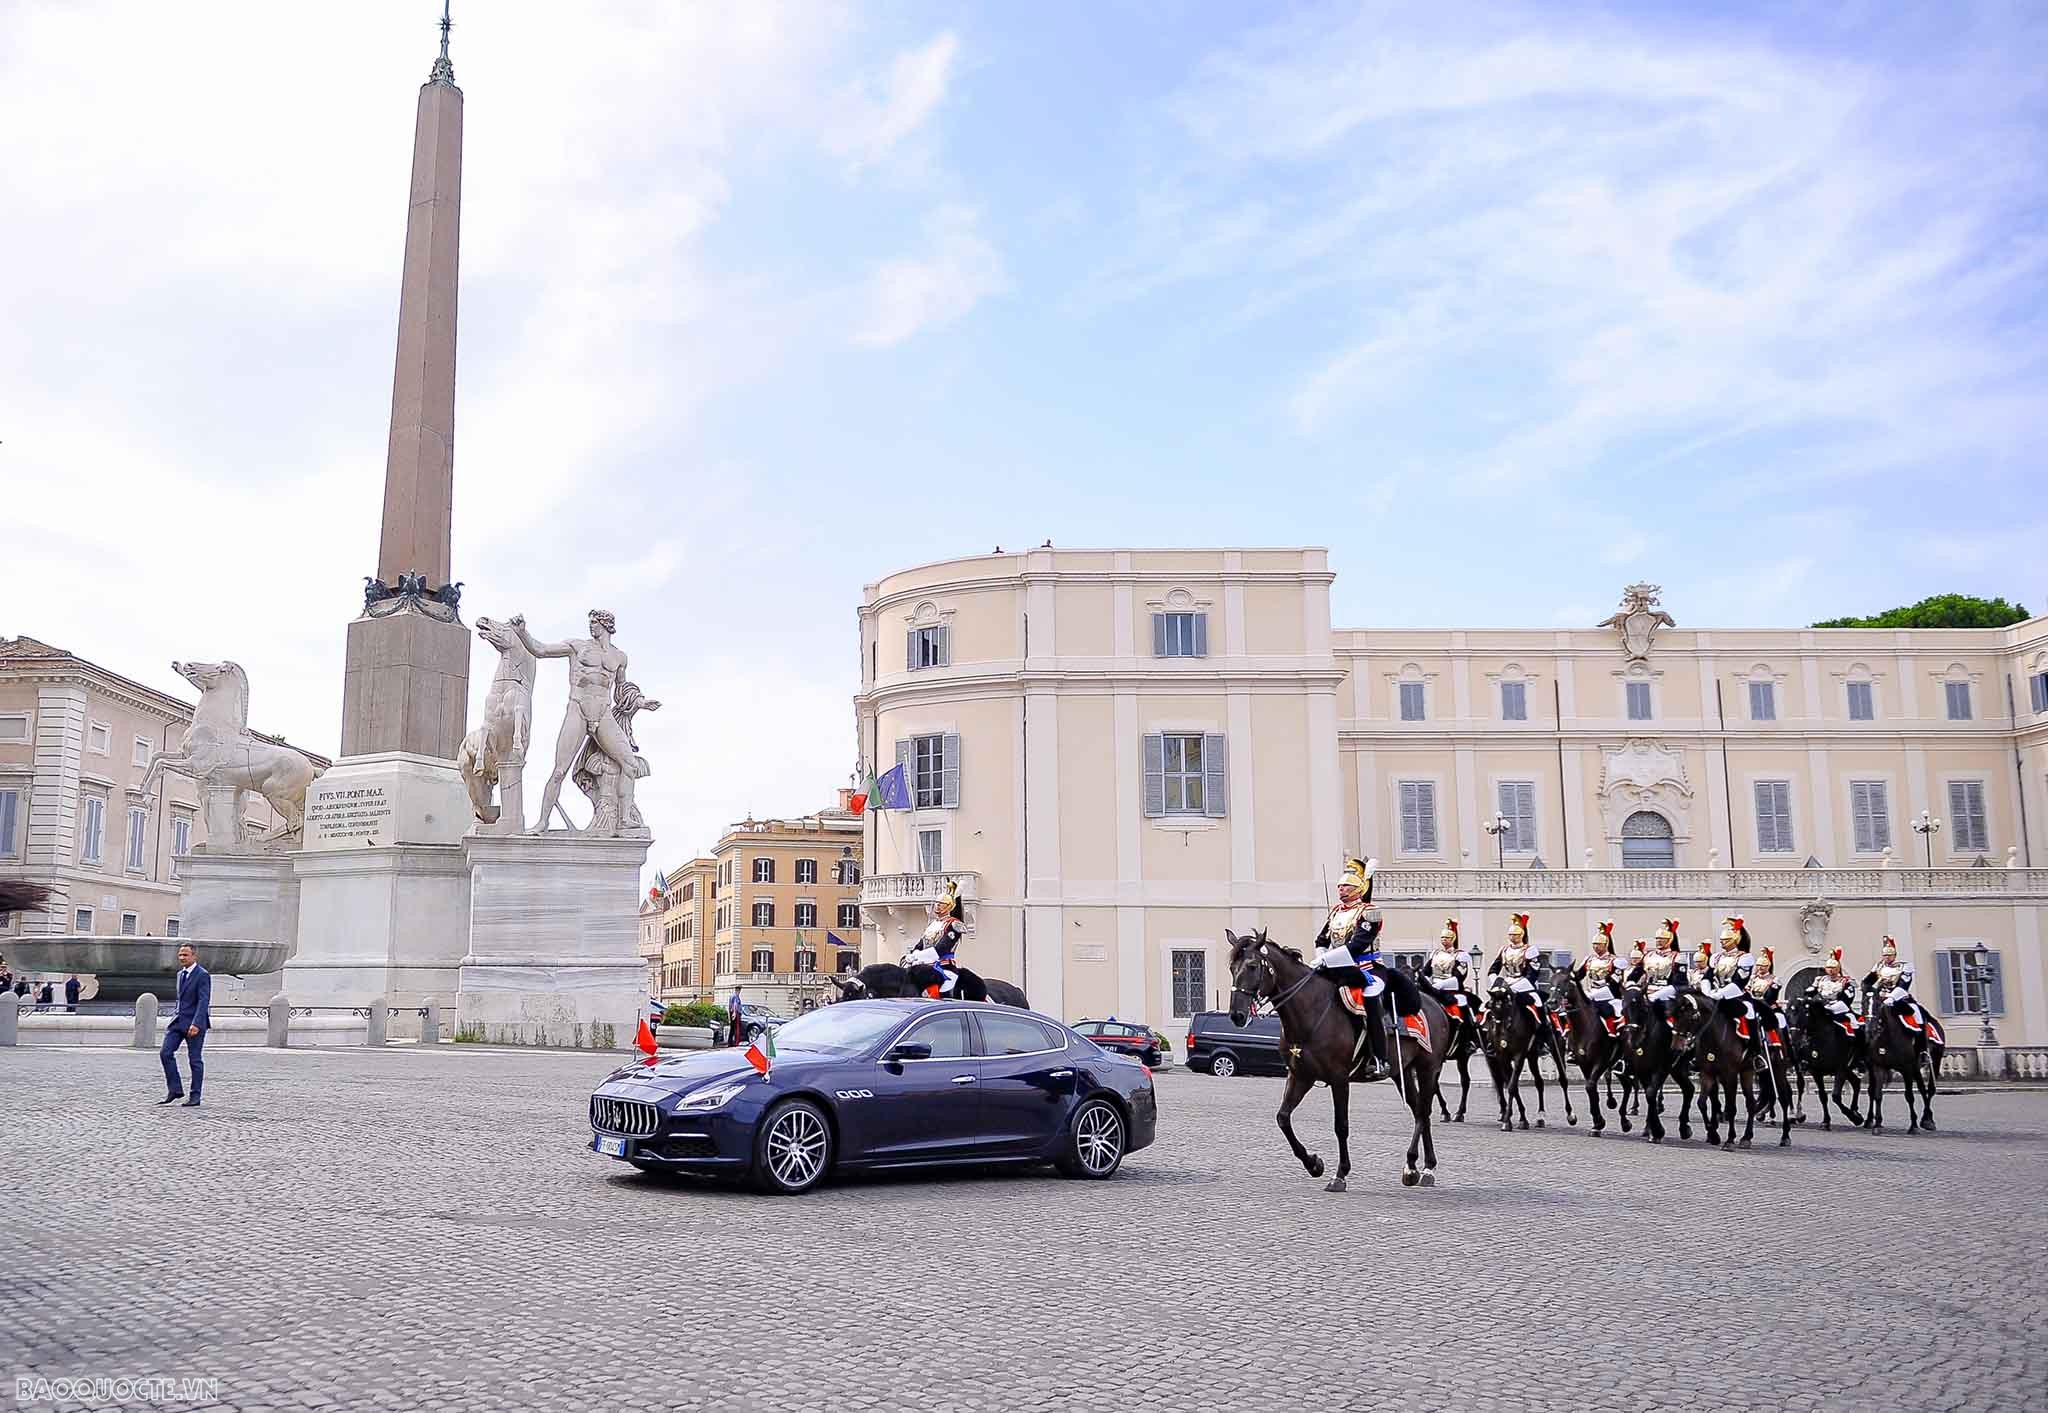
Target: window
(1966, 816)
(142, 750)
(1774, 817)
(849, 873)
(99, 738)
(764, 870)
(688, 894)
(930, 850)
(1412, 701)
(181, 839)
(1646, 841)
(138, 829)
(764, 959)
(1185, 774)
(1016, 1035)
(1518, 807)
(807, 870)
(1638, 700)
(686, 929)
(764, 914)
(849, 914)
(1418, 816)
(1862, 703)
(1180, 635)
(92, 831)
(2037, 688)
(806, 914)
(10, 822)
(130, 924)
(1958, 700)
(1763, 701)
(849, 962)
(14, 727)
(1190, 980)
(81, 920)
(724, 961)
(172, 926)
(933, 765)
(725, 872)
(1870, 815)
(1514, 701)
(928, 647)
(806, 960)
(1965, 990)
(947, 1035)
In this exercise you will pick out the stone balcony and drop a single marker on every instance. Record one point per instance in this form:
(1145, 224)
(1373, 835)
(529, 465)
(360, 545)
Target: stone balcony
(898, 905)
(1679, 885)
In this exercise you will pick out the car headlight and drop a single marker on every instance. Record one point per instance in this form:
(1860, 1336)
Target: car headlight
(715, 1096)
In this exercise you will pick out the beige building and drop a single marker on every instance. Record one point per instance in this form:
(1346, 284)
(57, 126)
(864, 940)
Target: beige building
(687, 944)
(650, 942)
(75, 743)
(1120, 753)
(784, 888)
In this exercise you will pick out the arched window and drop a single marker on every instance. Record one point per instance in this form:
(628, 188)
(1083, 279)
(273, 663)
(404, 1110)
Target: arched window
(1646, 841)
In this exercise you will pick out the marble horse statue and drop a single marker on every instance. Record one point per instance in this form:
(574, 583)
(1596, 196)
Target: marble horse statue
(226, 759)
(493, 754)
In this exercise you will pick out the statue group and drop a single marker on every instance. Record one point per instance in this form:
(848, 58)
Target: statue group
(594, 749)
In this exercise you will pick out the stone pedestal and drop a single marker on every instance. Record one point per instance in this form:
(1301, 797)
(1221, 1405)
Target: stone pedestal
(405, 687)
(393, 797)
(388, 921)
(229, 897)
(554, 954)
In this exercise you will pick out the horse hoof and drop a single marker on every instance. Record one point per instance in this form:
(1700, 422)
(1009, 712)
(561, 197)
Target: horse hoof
(1727, 1145)
(1625, 1124)
(1743, 1144)
(1315, 1165)
(1784, 1140)
(1410, 1178)
(1573, 1120)
(1334, 1185)
(1927, 1124)
(1525, 1125)
(1654, 1137)
(1539, 1122)
(1458, 1120)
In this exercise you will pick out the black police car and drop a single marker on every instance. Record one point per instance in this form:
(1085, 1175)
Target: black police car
(881, 1084)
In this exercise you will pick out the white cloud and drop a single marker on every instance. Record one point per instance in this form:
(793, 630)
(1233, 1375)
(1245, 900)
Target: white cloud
(872, 124)
(956, 271)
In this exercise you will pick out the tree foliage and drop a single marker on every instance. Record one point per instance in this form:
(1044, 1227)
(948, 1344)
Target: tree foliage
(1939, 611)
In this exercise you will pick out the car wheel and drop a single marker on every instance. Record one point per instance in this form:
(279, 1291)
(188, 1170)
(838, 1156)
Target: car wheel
(754, 1032)
(1095, 1141)
(1150, 1057)
(1223, 1066)
(792, 1148)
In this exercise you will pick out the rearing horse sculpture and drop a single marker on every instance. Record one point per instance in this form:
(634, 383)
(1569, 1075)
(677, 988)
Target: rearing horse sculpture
(493, 754)
(225, 758)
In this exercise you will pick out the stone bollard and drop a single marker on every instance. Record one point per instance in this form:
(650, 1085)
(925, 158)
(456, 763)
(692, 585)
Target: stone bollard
(280, 1028)
(379, 1013)
(144, 1037)
(10, 1019)
(430, 1027)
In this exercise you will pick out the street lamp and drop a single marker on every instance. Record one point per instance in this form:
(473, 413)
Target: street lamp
(1926, 826)
(1980, 972)
(1498, 827)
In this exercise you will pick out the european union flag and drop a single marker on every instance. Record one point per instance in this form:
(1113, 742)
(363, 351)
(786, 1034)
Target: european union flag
(893, 789)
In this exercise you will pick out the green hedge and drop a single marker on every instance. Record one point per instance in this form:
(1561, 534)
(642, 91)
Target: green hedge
(701, 1013)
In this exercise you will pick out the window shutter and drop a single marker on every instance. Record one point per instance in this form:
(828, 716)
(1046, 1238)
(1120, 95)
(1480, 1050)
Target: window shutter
(949, 787)
(943, 636)
(1159, 635)
(903, 759)
(1215, 776)
(1425, 794)
(910, 651)
(1859, 810)
(1201, 635)
(1155, 775)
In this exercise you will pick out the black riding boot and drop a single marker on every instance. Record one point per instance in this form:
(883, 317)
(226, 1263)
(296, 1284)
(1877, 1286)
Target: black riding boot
(1374, 1022)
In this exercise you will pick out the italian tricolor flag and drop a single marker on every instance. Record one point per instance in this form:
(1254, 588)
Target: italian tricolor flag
(761, 1052)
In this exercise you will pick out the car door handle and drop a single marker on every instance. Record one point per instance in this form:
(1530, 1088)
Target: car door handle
(1062, 1074)
(963, 1079)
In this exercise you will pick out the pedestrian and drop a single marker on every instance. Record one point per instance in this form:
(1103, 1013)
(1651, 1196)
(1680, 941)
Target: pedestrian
(46, 996)
(71, 989)
(735, 1020)
(21, 988)
(188, 1027)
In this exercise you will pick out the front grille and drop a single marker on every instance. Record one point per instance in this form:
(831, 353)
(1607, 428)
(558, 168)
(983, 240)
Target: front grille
(688, 1147)
(629, 1117)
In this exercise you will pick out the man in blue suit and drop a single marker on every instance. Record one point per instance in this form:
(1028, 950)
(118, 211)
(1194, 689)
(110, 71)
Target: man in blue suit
(188, 1027)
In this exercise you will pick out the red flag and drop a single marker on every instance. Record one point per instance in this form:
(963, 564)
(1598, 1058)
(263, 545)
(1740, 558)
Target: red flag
(857, 803)
(645, 1040)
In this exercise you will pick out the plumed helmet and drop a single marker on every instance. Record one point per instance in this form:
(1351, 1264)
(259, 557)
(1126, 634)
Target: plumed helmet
(949, 901)
(1763, 962)
(1890, 950)
(1450, 931)
(1669, 931)
(1732, 931)
(1604, 933)
(1518, 926)
(1638, 950)
(1358, 873)
(1834, 962)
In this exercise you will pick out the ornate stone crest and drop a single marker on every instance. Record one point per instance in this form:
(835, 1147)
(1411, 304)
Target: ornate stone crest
(1645, 775)
(1639, 620)
(1813, 925)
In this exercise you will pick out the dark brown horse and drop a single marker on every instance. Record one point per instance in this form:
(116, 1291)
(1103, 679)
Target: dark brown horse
(1465, 1043)
(1593, 1050)
(1655, 1053)
(1729, 1060)
(1913, 1055)
(1828, 1045)
(885, 979)
(1515, 1036)
(1323, 1041)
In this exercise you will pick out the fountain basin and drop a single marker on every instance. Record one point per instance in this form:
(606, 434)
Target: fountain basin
(128, 966)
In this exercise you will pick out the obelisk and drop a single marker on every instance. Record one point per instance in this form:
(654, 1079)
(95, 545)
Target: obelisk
(406, 683)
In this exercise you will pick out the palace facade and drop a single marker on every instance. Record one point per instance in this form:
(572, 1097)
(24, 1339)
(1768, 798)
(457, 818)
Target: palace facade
(1118, 754)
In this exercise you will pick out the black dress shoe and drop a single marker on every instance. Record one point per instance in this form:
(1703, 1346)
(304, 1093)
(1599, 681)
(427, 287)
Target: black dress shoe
(169, 1099)
(192, 1103)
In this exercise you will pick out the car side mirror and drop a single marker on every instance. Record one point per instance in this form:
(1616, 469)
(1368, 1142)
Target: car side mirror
(909, 1050)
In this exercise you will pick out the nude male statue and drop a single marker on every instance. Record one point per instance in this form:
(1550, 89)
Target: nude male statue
(595, 669)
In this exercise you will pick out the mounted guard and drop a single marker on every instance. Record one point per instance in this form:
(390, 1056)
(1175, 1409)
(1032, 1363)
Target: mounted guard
(1664, 971)
(1729, 973)
(1597, 975)
(1891, 981)
(1449, 976)
(940, 941)
(1350, 941)
(1837, 993)
(1516, 964)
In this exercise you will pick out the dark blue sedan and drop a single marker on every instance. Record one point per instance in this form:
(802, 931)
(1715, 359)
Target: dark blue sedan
(882, 1084)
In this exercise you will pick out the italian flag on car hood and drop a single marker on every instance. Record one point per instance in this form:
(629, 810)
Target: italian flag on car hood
(761, 1053)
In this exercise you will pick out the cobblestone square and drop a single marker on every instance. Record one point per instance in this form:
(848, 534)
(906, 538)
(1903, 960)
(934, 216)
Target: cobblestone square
(423, 1229)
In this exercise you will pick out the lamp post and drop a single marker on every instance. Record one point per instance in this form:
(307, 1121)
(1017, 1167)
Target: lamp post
(1927, 826)
(1498, 827)
(1980, 975)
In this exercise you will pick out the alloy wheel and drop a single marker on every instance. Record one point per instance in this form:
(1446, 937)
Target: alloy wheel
(1099, 1138)
(796, 1147)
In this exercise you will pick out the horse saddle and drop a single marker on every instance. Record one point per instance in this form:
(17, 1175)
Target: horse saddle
(1562, 1026)
(1613, 1024)
(1354, 997)
(1921, 1023)
(1851, 1027)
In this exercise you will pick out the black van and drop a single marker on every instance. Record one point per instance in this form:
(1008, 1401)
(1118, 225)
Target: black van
(1223, 1049)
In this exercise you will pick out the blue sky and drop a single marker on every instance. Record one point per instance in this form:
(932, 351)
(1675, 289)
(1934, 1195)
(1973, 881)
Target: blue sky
(1509, 305)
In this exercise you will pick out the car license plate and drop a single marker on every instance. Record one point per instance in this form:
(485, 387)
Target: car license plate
(611, 1147)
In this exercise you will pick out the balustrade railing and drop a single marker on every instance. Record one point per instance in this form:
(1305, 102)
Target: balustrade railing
(1706, 884)
(2026, 1062)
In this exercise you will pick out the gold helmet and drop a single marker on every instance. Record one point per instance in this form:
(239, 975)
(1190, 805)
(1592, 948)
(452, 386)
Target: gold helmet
(1890, 950)
(1637, 950)
(1604, 933)
(949, 901)
(1518, 927)
(1734, 935)
(1667, 935)
(1358, 874)
(1834, 962)
(1450, 932)
(1763, 962)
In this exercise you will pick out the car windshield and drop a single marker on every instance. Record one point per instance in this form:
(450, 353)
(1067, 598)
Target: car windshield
(837, 1030)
